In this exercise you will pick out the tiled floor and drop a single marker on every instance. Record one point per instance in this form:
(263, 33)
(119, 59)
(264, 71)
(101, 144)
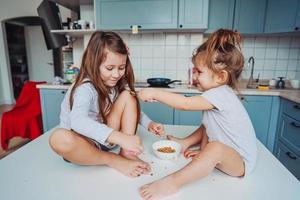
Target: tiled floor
(14, 143)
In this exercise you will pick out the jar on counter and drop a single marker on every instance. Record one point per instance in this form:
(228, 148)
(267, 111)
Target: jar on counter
(70, 75)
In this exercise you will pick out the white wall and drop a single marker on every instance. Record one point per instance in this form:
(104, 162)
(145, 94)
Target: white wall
(11, 9)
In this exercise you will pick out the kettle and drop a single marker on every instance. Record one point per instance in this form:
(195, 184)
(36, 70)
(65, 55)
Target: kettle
(280, 83)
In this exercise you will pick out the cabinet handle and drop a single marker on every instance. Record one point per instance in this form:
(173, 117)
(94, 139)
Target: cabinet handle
(137, 26)
(180, 25)
(295, 125)
(296, 28)
(242, 98)
(289, 154)
(63, 92)
(297, 107)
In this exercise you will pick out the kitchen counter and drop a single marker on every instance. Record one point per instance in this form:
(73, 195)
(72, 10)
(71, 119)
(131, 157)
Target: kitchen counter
(36, 172)
(290, 94)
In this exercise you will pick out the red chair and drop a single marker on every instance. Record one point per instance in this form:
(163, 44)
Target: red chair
(25, 119)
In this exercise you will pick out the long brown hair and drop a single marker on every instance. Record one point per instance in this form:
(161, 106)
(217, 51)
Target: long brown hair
(93, 56)
(222, 51)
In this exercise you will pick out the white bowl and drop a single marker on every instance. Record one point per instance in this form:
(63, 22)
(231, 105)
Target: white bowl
(166, 143)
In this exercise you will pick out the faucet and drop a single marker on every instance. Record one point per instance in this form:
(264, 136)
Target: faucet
(250, 81)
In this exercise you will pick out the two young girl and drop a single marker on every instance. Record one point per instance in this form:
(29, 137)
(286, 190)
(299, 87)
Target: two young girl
(226, 137)
(99, 112)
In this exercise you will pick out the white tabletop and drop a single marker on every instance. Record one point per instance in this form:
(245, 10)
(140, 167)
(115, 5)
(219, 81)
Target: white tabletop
(36, 172)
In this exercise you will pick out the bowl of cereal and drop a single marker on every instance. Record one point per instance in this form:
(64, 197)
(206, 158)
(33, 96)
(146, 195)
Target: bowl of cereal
(166, 149)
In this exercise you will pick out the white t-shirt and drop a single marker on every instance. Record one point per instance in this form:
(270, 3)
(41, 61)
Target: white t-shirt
(230, 124)
(83, 118)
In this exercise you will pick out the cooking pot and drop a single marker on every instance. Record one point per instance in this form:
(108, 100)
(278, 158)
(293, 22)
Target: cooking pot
(160, 82)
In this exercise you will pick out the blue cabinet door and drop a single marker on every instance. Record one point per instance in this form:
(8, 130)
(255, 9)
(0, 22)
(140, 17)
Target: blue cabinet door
(249, 16)
(51, 101)
(220, 14)
(297, 28)
(259, 110)
(193, 14)
(158, 112)
(188, 117)
(148, 14)
(281, 16)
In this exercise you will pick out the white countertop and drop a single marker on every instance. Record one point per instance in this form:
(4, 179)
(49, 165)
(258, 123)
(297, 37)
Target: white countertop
(35, 172)
(290, 94)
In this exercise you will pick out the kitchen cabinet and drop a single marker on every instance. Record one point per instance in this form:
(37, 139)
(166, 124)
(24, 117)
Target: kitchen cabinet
(147, 14)
(263, 112)
(249, 16)
(288, 137)
(282, 16)
(242, 15)
(187, 117)
(50, 102)
(158, 112)
(220, 14)
(193, 14)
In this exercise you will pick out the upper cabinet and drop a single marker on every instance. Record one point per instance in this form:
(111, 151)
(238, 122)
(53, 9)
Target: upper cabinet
(282, 16)
(242, 15)
(151, 14)
(249, 16)
(193, 14)
(220, 14)
(147, 14)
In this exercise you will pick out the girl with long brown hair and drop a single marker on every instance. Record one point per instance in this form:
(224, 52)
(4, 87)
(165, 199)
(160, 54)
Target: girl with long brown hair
(101, 110)
(226, 136)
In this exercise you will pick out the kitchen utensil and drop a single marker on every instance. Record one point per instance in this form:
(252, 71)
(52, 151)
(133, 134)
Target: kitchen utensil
(160, 82)
(272, 82)
(157, 146)
(280, 83)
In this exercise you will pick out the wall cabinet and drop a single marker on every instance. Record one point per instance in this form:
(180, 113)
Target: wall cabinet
(51, 101)
(193, 14)
(288, 137)
(241, 15)
(151, 14)
(282, 16)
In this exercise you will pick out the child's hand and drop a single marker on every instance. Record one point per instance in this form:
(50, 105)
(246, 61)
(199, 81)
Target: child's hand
(156, 128)
(190, 153)
(147, 95)
(131, 143)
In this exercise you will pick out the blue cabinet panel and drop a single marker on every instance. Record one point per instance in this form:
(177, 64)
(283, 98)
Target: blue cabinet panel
(148, 14)
(259, 110)
(250, 16)
(291, 109)
(193, 14)
(51, 101)
(281, 16)
(220, 14)
(158, 112)
(290, 160)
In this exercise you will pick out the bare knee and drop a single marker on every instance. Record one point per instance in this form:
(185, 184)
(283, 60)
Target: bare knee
(127, 96)
(62, 141)
(215, 149)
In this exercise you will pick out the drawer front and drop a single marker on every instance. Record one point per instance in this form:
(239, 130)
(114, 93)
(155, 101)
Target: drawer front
(290, 133)
(289, 159)
(291, 108)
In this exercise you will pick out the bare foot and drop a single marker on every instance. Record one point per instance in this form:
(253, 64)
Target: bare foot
(180, 141)
(129, 154)
(190, 153)
(158, 189)
(131, 168)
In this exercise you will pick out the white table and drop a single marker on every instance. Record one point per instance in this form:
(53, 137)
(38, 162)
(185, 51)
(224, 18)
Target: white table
(36, 172)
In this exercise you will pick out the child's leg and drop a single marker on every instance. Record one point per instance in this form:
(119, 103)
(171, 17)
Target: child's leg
(194, 138)
(214, 154)
(123, 117)
(80, 150)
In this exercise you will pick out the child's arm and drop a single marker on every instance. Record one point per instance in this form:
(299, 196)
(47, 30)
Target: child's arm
(174, 100)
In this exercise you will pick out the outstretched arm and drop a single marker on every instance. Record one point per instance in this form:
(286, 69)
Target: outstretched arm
(174, 100)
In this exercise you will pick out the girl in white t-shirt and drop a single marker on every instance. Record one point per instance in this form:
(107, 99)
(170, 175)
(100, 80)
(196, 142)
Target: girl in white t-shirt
(226, 136)
(98, 112)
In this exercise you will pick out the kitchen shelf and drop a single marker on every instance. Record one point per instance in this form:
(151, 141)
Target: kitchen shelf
(74, 33)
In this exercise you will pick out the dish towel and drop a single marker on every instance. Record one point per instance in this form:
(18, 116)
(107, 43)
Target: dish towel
(25, 119)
